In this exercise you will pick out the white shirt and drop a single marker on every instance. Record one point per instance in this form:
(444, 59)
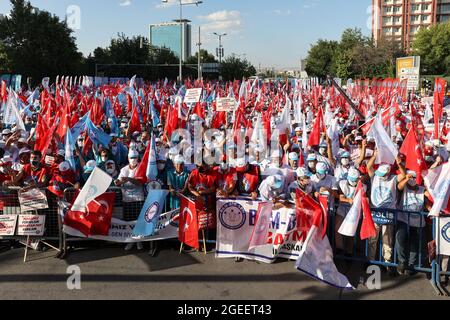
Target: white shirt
(384, 192)
(130, 191)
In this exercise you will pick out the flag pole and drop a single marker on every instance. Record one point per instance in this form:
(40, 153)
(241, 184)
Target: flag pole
(204, 242)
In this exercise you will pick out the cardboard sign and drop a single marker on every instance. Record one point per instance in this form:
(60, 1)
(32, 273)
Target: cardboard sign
(225, 104)
(192, 96)
(31, 225)
(32, 200)
(7, 225)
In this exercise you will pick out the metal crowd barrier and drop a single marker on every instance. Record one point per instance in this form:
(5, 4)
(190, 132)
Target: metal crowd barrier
(419, 236)
(9, 205)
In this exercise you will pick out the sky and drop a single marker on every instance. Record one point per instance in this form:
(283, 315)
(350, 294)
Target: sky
(269, 33)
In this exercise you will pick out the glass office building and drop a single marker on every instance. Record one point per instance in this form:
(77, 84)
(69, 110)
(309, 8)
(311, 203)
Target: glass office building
(167, 35)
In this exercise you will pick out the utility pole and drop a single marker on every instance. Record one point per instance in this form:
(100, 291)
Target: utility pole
(199, 54)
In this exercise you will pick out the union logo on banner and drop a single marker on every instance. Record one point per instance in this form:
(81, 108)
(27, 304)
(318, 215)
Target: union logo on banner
(232, 216)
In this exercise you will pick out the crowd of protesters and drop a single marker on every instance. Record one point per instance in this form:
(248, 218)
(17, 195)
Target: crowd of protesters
(267, 147)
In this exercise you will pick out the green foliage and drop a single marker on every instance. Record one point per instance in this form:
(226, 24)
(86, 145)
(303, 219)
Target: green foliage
(37, 44)
(206, 57)
(433, 46)
(234, 68)
(320, 60)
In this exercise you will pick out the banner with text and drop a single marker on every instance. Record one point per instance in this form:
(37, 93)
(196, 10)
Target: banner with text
(235, 223)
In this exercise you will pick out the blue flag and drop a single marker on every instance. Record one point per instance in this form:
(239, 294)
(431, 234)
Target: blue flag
(155, 116)
(97, 136)
(68, 148)
(150, 214)
(80, 125)
(109, 111)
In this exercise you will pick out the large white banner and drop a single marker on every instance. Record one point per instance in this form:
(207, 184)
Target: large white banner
(122, 231)
(443, 244)
(235, 223)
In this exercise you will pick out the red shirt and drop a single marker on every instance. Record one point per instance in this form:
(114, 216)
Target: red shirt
(248, 181)
(225, 179)
(201, 182)
(39, 176)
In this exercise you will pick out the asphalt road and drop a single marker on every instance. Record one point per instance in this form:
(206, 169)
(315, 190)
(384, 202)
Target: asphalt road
(109, 272)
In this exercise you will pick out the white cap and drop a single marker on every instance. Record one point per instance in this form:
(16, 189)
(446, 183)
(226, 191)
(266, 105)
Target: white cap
(64, 166)
(178, 160)
(6, 132)
(321, 167)
(241, 162)
(22, 140)
(275, 182)
(353, 174)
(298, 129)
(302, 173)
(24, 150)
(293, 156)
(133, 154)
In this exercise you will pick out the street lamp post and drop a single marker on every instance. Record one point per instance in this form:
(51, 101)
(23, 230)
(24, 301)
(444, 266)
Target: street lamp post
(220, 50)
(180, 76)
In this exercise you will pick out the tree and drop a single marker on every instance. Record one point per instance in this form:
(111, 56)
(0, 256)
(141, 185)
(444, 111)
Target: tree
(350, 39)
(38, 44)
(433, 46)
(233, 68)
(206, 57)
(4, 62)
(320, 60)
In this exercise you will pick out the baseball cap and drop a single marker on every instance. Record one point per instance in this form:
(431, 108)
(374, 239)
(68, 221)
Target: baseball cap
(178, 160)
(24, 150)
(22, 140)
(353, 175)
(133, 154)
(311, 157)
(293, 156)
(302, 173)
(321, 168)
(275, 182)
(6, 132)
(298, 129)
(90, 166)
(64, 166)
(413, 173)
(345, 155)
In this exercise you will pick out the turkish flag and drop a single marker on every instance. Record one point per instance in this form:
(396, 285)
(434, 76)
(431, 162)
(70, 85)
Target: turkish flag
(319, 127)
(438, 106)
(307, 211)
(323, 201)
(63, 125)
(3, 93)
(414, 156)
(97, 219)
(368, 229)
(99, 213)
(135, 123)
(188, 229)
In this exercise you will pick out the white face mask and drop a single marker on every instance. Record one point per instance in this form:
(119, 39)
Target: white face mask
(80, 144)
(345, 162)
(312, 165)
(110, 171)
(412, 183)
(104, 159)
(161, 166)
(322, 151)
(352, 183)
(321, 176)
(133, 162)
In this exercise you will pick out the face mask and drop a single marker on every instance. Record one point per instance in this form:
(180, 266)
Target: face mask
(412, 183)
(321, 176)
(110, 171)
(352, 183)
(133, 162)
(322, 151)
(80, 144)
(104, 159)
(345, 162)
(311, 165)
(161, 166)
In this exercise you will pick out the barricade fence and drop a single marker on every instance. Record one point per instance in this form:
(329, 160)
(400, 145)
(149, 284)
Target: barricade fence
(398, 241)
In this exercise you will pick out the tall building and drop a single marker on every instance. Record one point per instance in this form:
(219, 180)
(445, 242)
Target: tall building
(443, 11)
(402, 19)
(167, 35)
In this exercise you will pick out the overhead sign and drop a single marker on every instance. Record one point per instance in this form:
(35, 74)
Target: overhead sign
(192, 96)
(225, 104)
(409, 68)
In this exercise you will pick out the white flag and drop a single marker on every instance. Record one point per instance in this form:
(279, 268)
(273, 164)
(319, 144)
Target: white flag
(387, 151)
(440, 191)
(97, 184)
(316, 260)
(350, 224)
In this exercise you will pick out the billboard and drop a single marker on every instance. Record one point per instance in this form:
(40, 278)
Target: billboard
(409, 68)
